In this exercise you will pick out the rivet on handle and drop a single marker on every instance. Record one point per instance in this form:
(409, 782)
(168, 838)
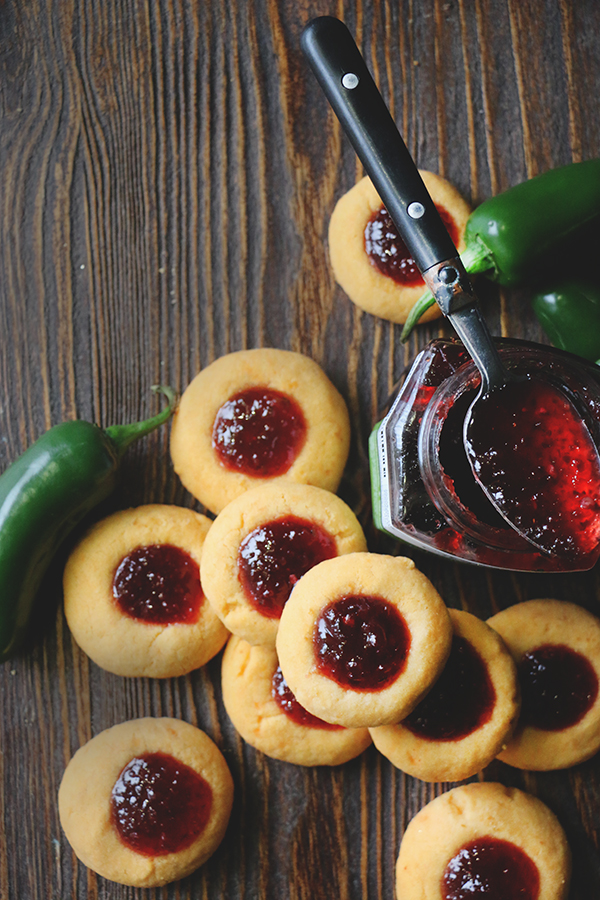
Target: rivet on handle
(350, 81)
(415, 210)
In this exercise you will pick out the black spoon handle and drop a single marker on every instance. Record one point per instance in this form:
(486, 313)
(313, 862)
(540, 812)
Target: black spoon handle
(355, 98)
(351, 91)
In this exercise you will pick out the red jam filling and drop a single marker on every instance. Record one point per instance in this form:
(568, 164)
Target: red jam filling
(492, 868)
(361, 642)
(558, 687)
(290, 706)
(274, 556)
(388, 252)
(159, 805)
(259, 432)
(534, 454)
(461, 700)
(160, 585)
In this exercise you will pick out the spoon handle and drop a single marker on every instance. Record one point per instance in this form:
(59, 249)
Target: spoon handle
(472, 329)
(347, 83)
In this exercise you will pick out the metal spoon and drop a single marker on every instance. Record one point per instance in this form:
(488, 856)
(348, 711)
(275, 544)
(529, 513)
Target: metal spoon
(351, 91)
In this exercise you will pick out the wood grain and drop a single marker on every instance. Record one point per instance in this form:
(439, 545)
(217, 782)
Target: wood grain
(167, 173)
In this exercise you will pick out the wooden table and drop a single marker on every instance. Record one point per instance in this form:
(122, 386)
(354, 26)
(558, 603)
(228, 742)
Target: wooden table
(168, 169)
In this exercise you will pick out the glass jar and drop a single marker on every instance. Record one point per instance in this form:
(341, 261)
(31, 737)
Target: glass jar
(423, 489)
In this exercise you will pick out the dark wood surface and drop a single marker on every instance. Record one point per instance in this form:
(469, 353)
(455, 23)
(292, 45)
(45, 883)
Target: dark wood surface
(167, 173)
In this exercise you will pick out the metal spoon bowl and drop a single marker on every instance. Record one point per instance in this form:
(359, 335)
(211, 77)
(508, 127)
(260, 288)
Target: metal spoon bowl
(546, 490)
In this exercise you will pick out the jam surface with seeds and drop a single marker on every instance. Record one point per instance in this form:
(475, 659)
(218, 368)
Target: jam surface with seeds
(558, 687)
(535, 456)
(361, 642)
(274, 556)
(159, 584)
(159, 805)
(461, 700)
(259, 432)
(492, 868)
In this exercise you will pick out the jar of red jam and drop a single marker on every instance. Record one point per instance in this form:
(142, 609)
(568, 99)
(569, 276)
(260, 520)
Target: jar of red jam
(423, 488)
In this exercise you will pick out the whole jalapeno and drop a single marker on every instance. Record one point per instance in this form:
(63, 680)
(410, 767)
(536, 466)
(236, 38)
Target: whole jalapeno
(569, 313)
(516, 235)
(44, 494)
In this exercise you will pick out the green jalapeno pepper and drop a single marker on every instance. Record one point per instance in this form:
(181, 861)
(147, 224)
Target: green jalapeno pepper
(570, 315)
(514, 236)
(43, 495)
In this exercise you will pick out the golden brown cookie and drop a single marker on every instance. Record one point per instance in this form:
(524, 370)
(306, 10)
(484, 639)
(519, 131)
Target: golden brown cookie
(260, 545)
(132, 593)
(467, 716)
(268, 717)
(258, 415)
(360, 278)
(556, 646)
(362, 638)
(484, 835)
(146, 802)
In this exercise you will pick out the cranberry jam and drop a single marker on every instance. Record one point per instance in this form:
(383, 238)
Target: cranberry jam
(259, 432)
(290, 706)
(492, 868)
(159, 584)
(159, 805)
(461, 700)
(558, 687)
(361, 642)
(274, 556)
(388, 252)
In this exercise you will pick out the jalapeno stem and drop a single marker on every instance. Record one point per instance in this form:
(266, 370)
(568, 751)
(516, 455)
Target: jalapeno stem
(124, 435)
(424, 302)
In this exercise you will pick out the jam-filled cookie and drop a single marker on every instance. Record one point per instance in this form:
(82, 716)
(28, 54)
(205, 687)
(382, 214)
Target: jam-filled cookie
(556, 646)
(269, 718)
(369, 259)
(362, 638)
(146, 802)
(256, 415)
(262, 543)
(133, 597)
(484, 839)
(467, 716)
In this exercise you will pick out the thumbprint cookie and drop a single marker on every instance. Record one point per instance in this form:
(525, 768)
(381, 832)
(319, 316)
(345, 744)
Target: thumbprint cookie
(370, 261)
(362, 638)
(146, 802)
(254, 416)
(133, 597)
(484, 839)
(556, 646)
